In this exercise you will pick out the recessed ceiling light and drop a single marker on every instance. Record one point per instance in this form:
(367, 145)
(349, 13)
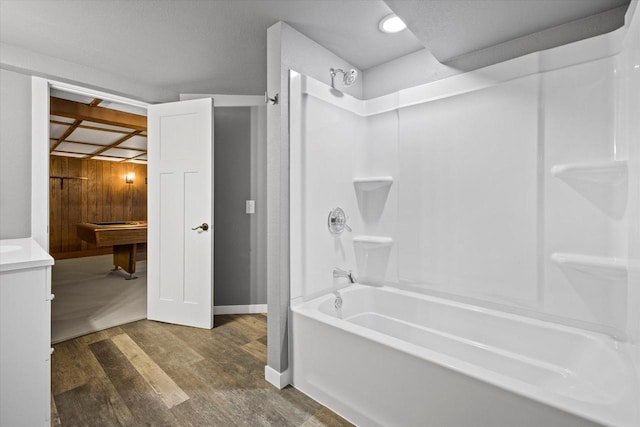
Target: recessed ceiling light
(391, 24)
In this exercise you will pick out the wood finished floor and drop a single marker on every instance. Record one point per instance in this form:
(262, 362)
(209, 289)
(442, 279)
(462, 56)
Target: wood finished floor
(154, 374)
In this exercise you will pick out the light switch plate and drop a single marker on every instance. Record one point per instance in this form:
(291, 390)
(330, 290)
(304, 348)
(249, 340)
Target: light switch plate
(250, 206)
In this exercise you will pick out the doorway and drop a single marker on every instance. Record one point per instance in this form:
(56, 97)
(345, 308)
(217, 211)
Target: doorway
(252, 296)
(98, 213)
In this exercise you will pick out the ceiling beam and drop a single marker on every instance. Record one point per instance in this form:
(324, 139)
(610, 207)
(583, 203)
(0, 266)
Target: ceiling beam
(65, 135)
(118, 142)
(93, 144)
(134, 157)
(80, 111)
(100, 128)
(73, 126)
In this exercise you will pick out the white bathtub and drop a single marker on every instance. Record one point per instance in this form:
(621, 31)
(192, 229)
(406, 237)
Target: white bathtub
(390, 357)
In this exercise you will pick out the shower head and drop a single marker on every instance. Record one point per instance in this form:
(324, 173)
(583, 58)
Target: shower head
(348, 77)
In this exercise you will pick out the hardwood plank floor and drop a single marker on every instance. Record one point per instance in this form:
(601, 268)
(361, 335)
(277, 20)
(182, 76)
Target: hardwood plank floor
(159, 381)
(155, 374)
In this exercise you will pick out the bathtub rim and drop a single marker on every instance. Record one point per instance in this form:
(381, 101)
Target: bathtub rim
(587, 410)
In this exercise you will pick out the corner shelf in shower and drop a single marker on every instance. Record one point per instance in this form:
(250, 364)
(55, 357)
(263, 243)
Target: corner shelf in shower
(373, 241)
(605, 267)
(372, 183)
(608, 172)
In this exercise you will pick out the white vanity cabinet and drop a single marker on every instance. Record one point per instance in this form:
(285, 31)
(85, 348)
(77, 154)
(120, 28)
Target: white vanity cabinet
(25, 333)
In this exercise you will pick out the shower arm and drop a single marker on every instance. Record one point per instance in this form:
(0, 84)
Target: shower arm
(333, 72)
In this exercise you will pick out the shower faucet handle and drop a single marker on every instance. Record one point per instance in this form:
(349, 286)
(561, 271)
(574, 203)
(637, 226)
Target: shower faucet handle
(337, 221)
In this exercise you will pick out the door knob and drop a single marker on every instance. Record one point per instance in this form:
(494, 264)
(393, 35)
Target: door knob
(203, 227)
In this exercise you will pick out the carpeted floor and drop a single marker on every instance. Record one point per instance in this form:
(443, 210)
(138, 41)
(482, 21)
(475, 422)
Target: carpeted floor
(90, 297)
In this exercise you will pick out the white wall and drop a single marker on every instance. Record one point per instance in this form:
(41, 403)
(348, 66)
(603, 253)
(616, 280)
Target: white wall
(15, 155)
(36, 64)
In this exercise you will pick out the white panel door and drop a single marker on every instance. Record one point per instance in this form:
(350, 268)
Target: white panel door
(180, 187)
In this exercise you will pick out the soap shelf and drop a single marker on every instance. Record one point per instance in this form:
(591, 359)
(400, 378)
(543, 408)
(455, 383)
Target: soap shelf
(372, 183)
(372, 258)
(607, 172)
(373, 241)
(607, 268)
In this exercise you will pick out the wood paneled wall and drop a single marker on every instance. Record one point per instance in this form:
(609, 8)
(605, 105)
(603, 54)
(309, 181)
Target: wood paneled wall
(104, 196)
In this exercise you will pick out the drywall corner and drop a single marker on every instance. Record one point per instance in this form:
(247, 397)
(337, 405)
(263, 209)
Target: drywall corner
(287, 49)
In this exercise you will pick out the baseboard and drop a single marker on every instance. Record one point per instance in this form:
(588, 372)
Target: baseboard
(277, 379)
(240, 309)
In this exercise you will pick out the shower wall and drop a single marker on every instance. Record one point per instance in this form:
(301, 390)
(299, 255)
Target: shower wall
(510, 187)
(468, 202)
(585, 194)
(324, 162)
(492, 203)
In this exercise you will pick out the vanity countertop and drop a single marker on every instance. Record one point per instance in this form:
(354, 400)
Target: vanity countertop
(18, 254)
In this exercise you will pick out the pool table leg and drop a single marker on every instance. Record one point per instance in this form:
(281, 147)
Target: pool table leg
(124, 256)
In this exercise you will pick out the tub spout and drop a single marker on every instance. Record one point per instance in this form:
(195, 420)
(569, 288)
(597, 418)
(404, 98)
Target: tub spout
(338, 272)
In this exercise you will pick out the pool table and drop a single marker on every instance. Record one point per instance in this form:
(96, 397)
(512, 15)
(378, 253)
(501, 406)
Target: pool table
(124, 236)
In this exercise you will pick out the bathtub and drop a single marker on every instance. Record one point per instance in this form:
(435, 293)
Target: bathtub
(390, 357)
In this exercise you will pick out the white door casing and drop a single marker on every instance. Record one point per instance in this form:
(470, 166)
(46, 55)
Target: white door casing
(180, 198)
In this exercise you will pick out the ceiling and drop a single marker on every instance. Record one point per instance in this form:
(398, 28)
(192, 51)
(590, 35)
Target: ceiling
(452, 28)
(195, 46)
(91, 128)
(219, 46)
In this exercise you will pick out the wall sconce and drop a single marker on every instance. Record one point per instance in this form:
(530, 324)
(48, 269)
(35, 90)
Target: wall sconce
(128, 178)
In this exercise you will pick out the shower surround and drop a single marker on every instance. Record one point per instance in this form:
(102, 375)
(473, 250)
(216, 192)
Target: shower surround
(498, 213)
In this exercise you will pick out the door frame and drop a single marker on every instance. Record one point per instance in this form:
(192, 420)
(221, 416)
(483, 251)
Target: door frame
(40, 116)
